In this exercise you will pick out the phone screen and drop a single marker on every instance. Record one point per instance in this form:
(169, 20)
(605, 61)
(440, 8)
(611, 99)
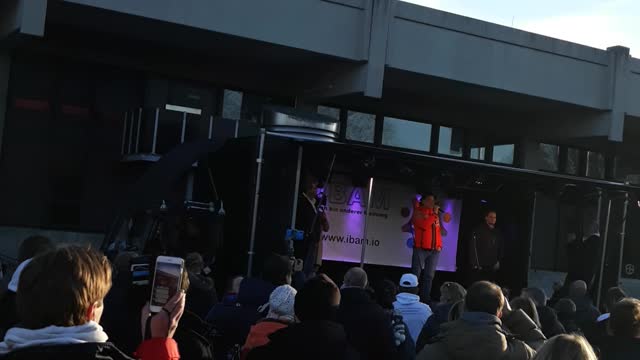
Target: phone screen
(166, 282)
(140, 274)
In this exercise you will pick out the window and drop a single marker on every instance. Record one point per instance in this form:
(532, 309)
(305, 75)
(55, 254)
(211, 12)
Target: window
(549, 156)
(406, 134)
(231, 104)
(478, 153)
(595, 165)
(360, 127)
(573, 161)
(503, 154)
(450, 141)
(329, 111)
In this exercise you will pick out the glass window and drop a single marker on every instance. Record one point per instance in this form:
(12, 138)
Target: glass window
(595, 165)
(503, 154)
(360, 127)
(406, 134)
(573, 161)
(550, 155)
(450, 141)
(329, 111)
(232, 104)
(478, 153)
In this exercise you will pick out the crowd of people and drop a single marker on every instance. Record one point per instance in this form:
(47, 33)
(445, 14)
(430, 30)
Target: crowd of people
(71, 302)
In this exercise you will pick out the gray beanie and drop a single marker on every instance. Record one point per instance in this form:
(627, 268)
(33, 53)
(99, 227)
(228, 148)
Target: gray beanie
(281, 303)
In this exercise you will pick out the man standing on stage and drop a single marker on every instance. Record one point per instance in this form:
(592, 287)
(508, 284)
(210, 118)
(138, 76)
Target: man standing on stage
(427, 241)
(312, 220)
(485, 249)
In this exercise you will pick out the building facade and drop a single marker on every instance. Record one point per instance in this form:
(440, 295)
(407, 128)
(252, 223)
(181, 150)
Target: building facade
(92, 90)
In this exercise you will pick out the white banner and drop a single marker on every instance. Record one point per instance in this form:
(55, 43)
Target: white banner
(390, 239)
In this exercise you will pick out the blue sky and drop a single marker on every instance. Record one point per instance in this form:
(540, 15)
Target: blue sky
(597, 23)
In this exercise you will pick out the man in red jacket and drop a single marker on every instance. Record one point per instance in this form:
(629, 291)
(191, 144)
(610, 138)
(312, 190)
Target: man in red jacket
(60, 301)
(427, 240)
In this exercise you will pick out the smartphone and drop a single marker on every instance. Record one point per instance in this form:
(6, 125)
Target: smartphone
(140, 268)
(166, 281)
(140, 274)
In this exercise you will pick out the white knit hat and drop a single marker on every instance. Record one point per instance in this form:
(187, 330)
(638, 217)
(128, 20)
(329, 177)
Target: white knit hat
(13, 284)
(281, 303)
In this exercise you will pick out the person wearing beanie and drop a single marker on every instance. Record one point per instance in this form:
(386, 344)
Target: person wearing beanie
(316, 335)
(370, 329)
(281, 314)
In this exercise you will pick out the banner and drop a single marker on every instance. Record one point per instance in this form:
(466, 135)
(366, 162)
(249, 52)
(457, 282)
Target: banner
(389, 238)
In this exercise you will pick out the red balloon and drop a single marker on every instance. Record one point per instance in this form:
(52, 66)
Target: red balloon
(447, 217)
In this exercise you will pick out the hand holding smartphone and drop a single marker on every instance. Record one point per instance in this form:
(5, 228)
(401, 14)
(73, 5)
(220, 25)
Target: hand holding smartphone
(167, 280)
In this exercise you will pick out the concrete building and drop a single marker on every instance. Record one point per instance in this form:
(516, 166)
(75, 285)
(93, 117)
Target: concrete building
(82, 82)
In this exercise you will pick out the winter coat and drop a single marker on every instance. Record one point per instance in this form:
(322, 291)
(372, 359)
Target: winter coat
(549, 322)
(614, 348)
(432, 327)
(309, 340)
(367, 325)
(201, 295)
(586, 313)
(259, 334)
(231, 321)
(414, 313)
(154, 349)
(481, 336)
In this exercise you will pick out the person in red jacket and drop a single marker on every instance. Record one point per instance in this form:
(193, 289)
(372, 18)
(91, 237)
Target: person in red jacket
(427, 240)
(281, 314)
(60, 300)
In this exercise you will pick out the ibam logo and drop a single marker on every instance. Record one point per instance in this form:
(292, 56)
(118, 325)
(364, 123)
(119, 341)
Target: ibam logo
(342, 194)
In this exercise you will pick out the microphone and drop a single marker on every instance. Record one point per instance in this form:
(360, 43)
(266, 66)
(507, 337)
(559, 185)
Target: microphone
(436, 207)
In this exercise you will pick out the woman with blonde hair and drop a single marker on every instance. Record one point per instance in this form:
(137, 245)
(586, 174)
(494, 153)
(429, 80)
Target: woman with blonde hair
(566, 347)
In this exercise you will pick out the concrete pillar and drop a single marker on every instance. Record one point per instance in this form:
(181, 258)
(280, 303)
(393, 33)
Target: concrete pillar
(5, 67)
(619, 75)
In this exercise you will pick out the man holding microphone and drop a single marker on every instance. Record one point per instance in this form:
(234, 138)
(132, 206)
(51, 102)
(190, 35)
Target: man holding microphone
(427, 240)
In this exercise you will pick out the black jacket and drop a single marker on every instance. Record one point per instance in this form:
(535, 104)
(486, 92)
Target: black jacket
(586, 313)
(310, 340)
(568, 321)
(201, 295)
(597, 333)
(620, 349)
(88, 351)
(367, 325)
(486, 246)
(8, 313)
(549, 322)
(231, 320)
(193, 337)
(307, 221)
(432, 327)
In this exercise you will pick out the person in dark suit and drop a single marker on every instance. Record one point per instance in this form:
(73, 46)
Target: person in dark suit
(312, 220)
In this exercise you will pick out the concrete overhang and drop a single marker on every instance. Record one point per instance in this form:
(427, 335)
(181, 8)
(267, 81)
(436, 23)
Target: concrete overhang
(427, 64)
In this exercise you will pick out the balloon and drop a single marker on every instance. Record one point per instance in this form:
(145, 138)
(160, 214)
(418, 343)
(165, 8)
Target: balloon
(447, 217)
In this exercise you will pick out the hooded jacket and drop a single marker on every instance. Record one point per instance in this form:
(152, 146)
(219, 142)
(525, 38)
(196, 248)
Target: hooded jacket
(477, 336)
(83, 342)
(414, 313)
